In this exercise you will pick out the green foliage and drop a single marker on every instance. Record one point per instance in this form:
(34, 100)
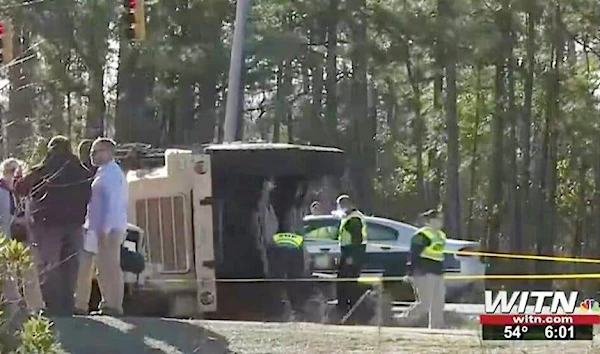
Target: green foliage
(21, 334)
(37, 337)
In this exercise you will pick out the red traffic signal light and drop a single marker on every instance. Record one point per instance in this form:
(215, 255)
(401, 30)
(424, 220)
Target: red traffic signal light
(6, 47)
(136, 19)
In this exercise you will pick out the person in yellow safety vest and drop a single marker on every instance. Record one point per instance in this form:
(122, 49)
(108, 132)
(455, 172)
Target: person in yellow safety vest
(425, 270)
(287, 261)
(352, 235)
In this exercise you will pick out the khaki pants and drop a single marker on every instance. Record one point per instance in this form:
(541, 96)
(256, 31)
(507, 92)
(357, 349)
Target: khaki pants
(31, 286)
(110, 275)
(431, 294)
(83, 291)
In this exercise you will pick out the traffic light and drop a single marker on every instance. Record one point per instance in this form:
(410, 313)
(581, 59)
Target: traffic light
(136, 19)
(6, 42)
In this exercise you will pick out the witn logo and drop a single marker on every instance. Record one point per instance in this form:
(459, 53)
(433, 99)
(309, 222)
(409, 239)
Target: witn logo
(589, 305)
(517, 302)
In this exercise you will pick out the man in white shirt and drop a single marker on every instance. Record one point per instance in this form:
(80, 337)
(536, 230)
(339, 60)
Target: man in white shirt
(107, 221)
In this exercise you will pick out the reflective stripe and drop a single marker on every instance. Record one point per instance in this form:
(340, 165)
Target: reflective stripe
(369, 280)
(286, 239)
(344, 236)
(435, 250)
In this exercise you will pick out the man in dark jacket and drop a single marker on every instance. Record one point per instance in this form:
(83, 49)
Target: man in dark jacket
(60, 188)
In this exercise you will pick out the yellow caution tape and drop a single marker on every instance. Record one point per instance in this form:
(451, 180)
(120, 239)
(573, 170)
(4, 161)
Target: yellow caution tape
(375, 280)
(509, 255)
(526, 256)
(369, 280)
(522, 276)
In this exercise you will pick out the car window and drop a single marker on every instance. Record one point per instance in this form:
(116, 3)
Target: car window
(406, 232)
(376, 232)
(320, 229)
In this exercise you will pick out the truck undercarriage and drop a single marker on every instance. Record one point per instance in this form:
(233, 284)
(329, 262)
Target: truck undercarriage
(256, 189)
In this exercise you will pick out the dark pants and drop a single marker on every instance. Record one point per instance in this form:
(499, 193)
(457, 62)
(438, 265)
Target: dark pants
(288, 263)
(351, 262)
(59, 248)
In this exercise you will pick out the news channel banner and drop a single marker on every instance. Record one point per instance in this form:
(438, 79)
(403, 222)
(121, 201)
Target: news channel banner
(523, 315)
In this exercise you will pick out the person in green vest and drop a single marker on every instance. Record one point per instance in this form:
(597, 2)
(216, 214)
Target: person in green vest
(287, 262)
(352, 236)
(425, 270)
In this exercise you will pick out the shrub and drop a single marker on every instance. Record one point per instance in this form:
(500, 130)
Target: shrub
(20, 332)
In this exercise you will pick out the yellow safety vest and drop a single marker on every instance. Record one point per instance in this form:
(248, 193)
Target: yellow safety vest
(437, 238)
(289, 240)
(344, 236)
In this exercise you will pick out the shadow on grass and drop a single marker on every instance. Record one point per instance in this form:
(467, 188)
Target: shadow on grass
(101, 335)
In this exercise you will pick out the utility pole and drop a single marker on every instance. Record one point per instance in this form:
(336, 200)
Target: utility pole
(235, 71)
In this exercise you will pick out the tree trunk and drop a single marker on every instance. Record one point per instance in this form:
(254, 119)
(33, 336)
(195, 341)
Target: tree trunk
(479, 103)
(316, 127)
(452, 203)
(435, 187)
(96, 113)
(331, 101)
(134, 120)
(363, 148)
(279, 103)
(578, 240)
(547, 214)
(21, 93)
(525, 128)
(514, 205)
(207, 117)
(419, 128)
(287, 90)
(496, 170)
(239, 133)
(184, 111)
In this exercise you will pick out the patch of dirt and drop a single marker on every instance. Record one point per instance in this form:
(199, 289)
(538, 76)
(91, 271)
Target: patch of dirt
(153, 335)
(274, 338)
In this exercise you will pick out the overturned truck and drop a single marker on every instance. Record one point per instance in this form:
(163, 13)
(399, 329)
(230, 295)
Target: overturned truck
(206, 214)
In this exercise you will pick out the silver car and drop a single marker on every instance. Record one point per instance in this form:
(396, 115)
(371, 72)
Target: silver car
(388, 247)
